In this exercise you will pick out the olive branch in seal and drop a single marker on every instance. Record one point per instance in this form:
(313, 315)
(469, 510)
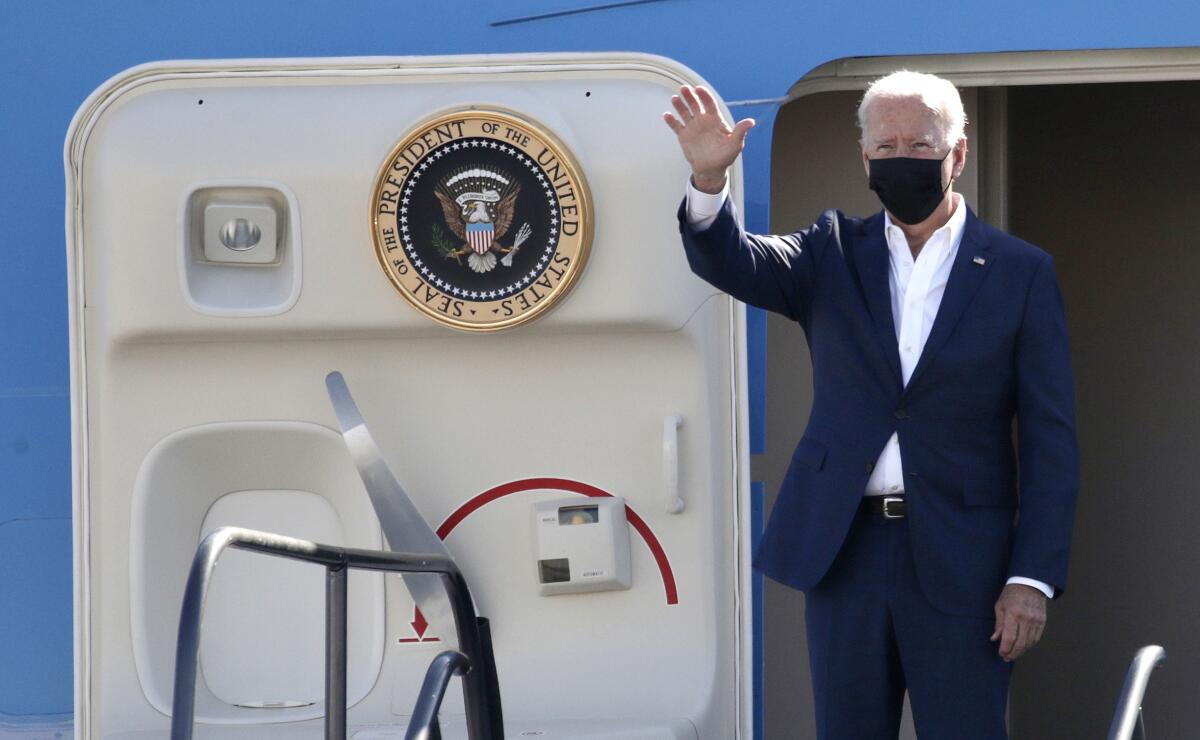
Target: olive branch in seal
(443, 245)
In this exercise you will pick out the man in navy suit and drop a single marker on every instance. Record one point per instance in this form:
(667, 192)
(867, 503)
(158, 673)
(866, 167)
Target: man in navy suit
(926, 545)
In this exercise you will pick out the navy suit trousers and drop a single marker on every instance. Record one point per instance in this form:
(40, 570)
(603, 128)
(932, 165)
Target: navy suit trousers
(872, 634)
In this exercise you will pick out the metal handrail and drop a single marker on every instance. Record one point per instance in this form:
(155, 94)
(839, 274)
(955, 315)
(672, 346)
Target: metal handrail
(1127, 721)
(423, 725)
(480, 691)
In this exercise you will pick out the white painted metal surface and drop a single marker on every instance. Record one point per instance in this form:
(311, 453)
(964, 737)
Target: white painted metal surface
(477, 427)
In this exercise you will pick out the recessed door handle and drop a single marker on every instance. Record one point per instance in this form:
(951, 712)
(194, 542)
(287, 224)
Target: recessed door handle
(671, 424)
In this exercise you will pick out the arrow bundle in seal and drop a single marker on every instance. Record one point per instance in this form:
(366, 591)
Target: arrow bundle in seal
(403, 526)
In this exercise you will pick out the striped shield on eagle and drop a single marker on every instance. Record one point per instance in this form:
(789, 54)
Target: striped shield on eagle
(479, 236)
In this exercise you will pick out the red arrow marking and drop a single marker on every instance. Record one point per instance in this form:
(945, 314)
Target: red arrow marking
(419, 624)
(565, 484)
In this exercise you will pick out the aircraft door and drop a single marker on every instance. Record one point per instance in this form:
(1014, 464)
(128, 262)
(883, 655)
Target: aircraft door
(487, 249)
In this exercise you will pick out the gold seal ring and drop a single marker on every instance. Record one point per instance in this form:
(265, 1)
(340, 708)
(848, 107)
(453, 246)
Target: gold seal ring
(481, 219)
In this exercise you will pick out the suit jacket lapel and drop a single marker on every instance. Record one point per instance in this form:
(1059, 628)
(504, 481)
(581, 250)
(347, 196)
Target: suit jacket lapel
(971, 265)
(873, 265)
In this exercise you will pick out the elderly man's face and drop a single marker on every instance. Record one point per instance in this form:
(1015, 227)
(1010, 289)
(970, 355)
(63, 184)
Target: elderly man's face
(904, 127)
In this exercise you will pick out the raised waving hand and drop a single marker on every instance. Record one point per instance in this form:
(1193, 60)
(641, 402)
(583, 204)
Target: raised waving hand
(706, 138)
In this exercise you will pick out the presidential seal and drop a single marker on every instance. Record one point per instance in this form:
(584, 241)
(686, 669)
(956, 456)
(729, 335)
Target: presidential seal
(481, 220)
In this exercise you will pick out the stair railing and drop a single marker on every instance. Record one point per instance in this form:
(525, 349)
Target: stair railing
(1127, 721)
(423, 725)
(480, 688)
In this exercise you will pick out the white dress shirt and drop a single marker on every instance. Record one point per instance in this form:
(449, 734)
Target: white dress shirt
(917, 286)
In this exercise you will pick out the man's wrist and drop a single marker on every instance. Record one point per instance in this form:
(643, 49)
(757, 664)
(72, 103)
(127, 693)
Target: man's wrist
(709, 183)
(1046, 589)
(702, 208)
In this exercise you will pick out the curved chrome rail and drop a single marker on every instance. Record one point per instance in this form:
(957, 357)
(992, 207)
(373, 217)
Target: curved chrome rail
(1127, 720)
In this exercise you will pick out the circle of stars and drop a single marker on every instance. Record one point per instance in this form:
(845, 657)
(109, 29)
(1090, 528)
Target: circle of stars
(523, 281)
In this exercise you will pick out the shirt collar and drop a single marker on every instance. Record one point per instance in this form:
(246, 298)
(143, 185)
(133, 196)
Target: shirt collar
(953, 229)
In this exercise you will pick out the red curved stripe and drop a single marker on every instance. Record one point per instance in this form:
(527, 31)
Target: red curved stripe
(574, 486)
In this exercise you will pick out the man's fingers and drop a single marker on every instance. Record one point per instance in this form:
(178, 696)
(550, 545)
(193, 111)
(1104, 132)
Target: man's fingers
(1020, 619)
(1022, 642)
(1012, 631)
(1031, 628)
(1014, 646)
(673, 122)
(1018, 635)
(706, 98)
(741, 128)
(1028, 639)
(693, 102)
(685, 113)
(1035, 635)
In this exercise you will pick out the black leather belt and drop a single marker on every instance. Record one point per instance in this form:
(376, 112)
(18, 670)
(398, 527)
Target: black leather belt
(888, 507)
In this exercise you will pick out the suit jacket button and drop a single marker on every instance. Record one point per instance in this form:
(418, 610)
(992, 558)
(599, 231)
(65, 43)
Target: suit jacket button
(870, 467)
(901, 413)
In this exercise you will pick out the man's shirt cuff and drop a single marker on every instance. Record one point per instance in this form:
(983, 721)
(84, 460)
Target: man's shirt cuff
(702, 208)
(1043, 587)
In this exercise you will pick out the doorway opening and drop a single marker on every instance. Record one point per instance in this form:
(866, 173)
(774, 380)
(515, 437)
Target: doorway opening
(1089, 155)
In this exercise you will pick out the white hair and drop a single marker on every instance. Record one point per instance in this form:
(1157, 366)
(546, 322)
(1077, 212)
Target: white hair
(940, 96)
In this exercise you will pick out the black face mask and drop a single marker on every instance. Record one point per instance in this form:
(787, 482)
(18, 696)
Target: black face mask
(909, 188)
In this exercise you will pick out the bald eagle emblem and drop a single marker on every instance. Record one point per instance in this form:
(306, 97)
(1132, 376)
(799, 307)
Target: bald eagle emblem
(477, 205)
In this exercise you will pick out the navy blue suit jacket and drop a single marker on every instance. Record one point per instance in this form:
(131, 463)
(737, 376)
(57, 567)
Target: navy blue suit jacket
(979, 510)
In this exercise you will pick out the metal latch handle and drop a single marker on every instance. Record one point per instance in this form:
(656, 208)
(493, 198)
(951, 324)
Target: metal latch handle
(671, 424)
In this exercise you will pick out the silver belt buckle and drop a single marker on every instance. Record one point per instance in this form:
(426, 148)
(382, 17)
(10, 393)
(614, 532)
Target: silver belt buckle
(887, 507)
